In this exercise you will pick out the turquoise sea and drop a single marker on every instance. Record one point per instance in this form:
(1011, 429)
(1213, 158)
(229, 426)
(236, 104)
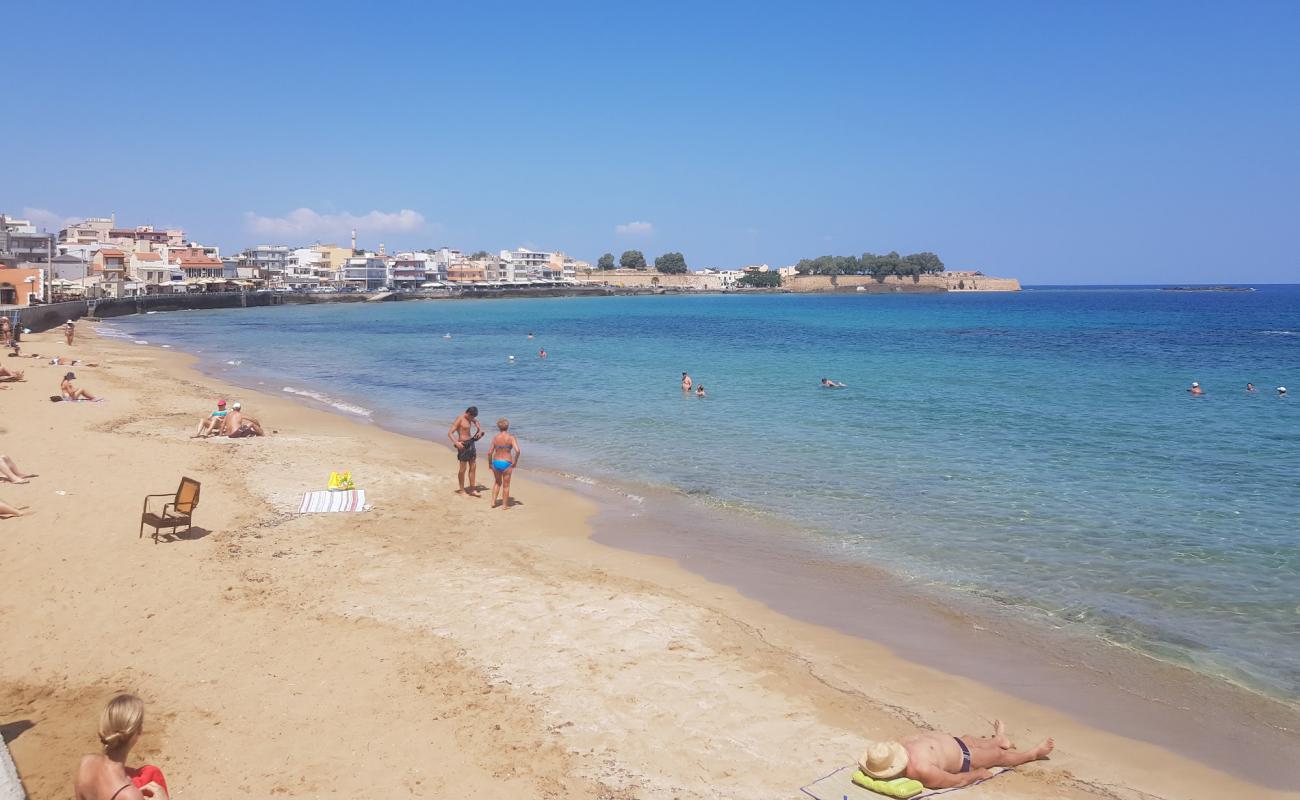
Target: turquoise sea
(1037, 450)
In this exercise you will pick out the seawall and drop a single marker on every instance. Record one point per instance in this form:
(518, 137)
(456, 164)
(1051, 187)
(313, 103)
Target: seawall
(940, 282)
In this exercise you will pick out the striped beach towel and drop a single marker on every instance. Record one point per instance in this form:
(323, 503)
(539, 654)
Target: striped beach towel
(324, 501)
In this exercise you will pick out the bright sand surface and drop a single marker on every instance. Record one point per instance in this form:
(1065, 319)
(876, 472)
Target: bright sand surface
(431, 646)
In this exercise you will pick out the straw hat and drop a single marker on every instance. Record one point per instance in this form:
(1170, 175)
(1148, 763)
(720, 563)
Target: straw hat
(884, 760)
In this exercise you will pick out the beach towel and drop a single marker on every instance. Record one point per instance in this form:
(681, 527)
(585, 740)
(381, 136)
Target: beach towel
(10, 787)
(145, 775)
(326, 501)
(839, 785)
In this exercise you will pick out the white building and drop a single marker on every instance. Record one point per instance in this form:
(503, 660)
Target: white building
(304, 268)
(523, 264)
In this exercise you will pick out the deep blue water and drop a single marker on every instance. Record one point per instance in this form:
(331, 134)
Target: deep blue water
(1036, 449)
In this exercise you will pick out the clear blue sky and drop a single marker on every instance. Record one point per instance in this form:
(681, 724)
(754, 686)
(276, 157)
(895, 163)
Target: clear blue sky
(1058, 142)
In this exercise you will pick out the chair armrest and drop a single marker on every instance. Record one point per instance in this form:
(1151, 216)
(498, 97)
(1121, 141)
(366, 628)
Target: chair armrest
(148, 497)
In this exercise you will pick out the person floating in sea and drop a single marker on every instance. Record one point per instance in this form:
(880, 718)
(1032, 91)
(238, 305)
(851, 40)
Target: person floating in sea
(463, 433)
(504, 457)
(541, 353)
(1281, 391)
(699, 390)
(1250, 387)
(69, 332)
(827, 383)
(944, 761)
(1195, 390)
(686, 382)
(530, 334)
(71, 393)
(107, 777)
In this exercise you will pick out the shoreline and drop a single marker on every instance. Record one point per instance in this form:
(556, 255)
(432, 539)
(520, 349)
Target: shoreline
(1156, 681)
(791, 691)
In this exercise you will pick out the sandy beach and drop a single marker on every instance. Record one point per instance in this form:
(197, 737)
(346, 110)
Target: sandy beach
(432, 646)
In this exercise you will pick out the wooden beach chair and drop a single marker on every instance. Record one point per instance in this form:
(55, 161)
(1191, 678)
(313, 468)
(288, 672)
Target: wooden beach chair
(174, 514)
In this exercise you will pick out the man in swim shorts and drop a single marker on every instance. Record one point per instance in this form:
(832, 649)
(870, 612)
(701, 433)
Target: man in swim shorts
(239, 426)
(944, 761)
(686, 382)
(463, 433)
(504, 457)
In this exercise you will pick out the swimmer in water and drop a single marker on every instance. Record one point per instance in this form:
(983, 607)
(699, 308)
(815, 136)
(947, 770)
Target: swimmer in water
(1250, 387)
(1281, 391)
(1195, 390)
(699, 390)
(827, 383)
(541, 353)
(446, 336)
(530, 334)
(686, 382)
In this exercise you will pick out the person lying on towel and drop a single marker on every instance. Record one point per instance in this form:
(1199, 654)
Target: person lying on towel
(944, 761)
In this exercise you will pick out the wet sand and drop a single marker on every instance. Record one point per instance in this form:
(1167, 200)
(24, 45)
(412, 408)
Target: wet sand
(431, 646)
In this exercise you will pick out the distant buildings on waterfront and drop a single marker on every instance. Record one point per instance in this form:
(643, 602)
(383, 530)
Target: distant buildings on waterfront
(97, 257)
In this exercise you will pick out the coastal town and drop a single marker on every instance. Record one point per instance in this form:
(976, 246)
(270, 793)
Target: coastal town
(99, 258)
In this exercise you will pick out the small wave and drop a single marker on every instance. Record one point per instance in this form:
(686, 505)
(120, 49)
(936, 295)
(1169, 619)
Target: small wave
(139, 341)
(330, 401)
(1281, 333)
(111, 332)
(234, 363)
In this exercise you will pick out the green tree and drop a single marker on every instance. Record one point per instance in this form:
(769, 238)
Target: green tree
(481, 254)
(632, 259)
(606, 261)
(760, 280)
(925, 263)
(671, 263)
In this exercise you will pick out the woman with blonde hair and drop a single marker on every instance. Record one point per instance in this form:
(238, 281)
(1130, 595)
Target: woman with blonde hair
(106, 776)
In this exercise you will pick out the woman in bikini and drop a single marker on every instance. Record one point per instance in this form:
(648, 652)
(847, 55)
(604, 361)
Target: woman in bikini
(504, 457)
(107, 777)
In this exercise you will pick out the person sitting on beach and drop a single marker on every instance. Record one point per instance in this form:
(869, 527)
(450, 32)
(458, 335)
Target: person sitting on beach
(504, 457)
(69, 331)
(1250, 387)
(686, 382)
(827, 383)
(106, 776)
(11, 374)
(214, 423)
(7, 511)
(72, 393)
(1195, 390)
(464, 432)
(239, 426)
(699, 390)
(944, 761)
(9, 471)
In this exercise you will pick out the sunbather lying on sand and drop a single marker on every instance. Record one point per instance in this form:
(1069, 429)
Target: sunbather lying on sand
(11, 375)
(9, 471)
(7, 511)
(943, 761)
(71, 392)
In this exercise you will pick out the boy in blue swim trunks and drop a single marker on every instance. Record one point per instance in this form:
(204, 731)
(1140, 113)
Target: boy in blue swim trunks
(504, 456)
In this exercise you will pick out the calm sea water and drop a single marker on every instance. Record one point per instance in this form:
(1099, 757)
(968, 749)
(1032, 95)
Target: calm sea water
(1037, 450)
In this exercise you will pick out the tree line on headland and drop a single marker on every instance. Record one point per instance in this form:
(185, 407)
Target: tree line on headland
(878, 267)
(668, 263)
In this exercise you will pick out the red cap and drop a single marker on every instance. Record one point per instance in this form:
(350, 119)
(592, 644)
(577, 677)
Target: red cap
(221, 402)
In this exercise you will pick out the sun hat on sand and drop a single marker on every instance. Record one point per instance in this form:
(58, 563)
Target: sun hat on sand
(884, 760)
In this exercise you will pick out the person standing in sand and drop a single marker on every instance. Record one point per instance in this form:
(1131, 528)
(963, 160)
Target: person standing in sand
(944, 761)
(504, 457)
(463, 433)
(69, 331)
(107, 777)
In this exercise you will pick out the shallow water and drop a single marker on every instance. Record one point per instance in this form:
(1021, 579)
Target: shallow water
(1034, 450)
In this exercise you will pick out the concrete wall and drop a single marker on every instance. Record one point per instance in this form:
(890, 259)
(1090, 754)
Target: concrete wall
(650, 278)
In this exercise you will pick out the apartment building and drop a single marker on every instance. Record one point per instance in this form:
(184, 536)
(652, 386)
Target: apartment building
(20, 243)
(89, 231)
